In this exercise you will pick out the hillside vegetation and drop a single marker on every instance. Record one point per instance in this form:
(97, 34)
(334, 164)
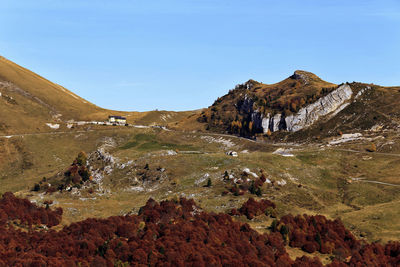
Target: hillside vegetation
(177, 233)
(344, 167)
(372, 108)
(29, 101)
(250, 109)
(231, 113)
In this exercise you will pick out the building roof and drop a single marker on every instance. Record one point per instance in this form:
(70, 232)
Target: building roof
(117, 117)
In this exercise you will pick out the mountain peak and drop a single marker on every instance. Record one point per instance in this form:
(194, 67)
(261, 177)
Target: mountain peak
(304, 75)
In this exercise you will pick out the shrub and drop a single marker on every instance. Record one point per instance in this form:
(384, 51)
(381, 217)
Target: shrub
(81, 158)
(13, 208)
(36, 187)
(173, 233)
(252, 208)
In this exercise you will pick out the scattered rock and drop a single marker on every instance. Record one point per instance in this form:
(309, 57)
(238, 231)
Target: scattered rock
(232, 153)
(281, 182)
(202, 179)
(346, 138)
(171, 153)
(53, 125)
(225, 142)
(247, 170)
(283, 152)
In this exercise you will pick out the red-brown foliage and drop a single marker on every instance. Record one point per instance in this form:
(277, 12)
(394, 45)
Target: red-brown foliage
(172, 234)
(251, 208)
(317, 233)
(246, 184)
(166, 233)
(376, 254)
(13, 208)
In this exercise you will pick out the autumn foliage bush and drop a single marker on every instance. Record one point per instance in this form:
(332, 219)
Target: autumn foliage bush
(317, 233)
(78, 171)
(252, 208)
(163, 234)
(13, 208)
(173, 233)
(246, 184)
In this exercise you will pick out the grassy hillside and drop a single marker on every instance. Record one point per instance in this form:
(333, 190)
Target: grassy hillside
(337, 180)
(49, 96)
(334, 180)
(29, 101)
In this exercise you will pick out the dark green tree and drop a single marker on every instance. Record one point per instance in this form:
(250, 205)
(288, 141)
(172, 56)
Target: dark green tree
(284, 232)
(226, 175)
(81, 159)
(36, 187)
(258, 191)
(209, 182)
(274, 225)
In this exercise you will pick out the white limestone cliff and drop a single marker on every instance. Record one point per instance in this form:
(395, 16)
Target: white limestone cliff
(334, 102)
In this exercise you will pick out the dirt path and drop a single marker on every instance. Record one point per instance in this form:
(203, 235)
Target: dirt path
(202, 134)
(45, 133)
(365, 152)
(374, 182)
(75, 131)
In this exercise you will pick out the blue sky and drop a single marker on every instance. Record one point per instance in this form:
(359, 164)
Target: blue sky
(183, 54)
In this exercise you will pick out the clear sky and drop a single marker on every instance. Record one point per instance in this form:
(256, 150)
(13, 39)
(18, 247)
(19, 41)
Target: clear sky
(183, 54)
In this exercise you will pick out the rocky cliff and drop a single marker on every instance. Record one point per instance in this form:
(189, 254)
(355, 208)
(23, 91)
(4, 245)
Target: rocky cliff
(300, 102)
(306, 116)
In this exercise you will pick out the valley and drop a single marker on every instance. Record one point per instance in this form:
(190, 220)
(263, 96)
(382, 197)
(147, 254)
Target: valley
(319, 179)
(342, 163)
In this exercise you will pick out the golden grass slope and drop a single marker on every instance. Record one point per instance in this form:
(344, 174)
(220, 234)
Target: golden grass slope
(54, 95)
(28, 101)
(300, 85)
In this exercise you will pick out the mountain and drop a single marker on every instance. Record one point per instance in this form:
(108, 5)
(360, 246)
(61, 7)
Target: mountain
(348, 168)
(28, 102)
(303, 105)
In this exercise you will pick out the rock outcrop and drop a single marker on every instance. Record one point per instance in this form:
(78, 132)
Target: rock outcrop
(293, 104)
(334, 102)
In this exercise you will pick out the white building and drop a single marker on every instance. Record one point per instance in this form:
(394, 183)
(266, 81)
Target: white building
(117, 119)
